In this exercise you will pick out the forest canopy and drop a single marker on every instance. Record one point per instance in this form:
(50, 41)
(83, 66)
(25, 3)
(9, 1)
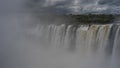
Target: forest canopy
(91, 18)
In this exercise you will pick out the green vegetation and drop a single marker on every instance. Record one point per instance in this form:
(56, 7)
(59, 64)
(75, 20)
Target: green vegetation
(90, 19)
(76, 19)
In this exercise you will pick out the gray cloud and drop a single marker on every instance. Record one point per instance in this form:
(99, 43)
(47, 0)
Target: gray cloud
(110, 2)
(63, 6)
(77, 6)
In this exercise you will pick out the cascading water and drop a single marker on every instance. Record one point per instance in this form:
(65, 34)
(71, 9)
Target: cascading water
(81, 46)
(23, 44)
(27, 44)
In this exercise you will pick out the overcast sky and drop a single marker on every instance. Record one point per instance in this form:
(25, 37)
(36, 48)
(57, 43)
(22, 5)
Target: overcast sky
(64, 6)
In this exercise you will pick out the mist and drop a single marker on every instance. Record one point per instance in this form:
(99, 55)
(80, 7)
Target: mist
(26, 42)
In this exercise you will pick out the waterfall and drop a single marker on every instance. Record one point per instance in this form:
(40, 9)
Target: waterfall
(98, 43)
(87, 37)
(28, 40)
